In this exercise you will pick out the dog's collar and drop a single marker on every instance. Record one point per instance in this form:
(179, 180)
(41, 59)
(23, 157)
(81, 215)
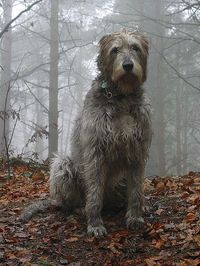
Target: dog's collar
(108, 93)
(104, 84)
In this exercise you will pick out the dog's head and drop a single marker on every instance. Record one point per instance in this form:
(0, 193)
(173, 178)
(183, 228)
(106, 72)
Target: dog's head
(123, 59)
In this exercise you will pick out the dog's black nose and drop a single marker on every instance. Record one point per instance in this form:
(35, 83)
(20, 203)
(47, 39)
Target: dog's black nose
(127, 65)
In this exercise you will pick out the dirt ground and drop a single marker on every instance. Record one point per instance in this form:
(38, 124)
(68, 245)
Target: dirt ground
(171, 235)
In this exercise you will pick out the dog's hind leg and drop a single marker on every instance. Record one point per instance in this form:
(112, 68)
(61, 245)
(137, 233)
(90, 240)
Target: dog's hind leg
(64, 190)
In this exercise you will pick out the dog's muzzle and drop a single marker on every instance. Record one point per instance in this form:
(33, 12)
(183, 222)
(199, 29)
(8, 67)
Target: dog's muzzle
(128, 65)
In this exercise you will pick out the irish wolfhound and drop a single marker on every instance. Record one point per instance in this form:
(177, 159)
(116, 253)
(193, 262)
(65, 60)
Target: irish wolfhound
(111, 138)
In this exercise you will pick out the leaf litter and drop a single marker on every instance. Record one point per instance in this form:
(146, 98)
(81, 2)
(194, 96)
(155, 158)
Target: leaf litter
(171, 235)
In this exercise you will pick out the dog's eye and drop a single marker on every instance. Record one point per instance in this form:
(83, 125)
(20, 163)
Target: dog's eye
(115, 50)
(135, 47)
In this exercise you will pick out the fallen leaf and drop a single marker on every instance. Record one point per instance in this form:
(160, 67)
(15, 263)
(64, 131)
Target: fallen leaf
(158, 243)
(197, 239)
(153, 261)
(10, 256)
(159, 211)
(74, 264)
(113, 248)
(72, 239)
(38, 176)
(160, 186)
(190, 217)
(190, 262)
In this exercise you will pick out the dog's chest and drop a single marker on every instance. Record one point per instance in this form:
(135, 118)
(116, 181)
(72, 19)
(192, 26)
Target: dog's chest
(125, 127)
(125, 131)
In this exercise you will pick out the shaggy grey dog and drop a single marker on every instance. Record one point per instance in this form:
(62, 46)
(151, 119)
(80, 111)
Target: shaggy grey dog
(110, 141)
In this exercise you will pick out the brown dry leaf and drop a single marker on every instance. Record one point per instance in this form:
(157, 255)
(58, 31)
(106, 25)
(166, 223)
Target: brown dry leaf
(38, 176)
(192, 208)
(150, 262)
(197, 239)
(10, 256)
(11, 240)
(190, 262)
(4, 202)
(190, 217)
(172, 184)
(160, 186)
(153, 261)
(45, 239)
(121, 234)
(55, 226)
(158, 227)
(72, 239)
(21, 169)
(90, 239)
(185, 194)
(112, 247)
(194, 199)
(24, 256)
(158, 243)
(197, 181)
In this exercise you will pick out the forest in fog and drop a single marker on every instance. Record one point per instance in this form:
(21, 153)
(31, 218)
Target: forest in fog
(48, 61)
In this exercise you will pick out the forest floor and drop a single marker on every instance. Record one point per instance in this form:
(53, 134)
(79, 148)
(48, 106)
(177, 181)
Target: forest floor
(171, 235)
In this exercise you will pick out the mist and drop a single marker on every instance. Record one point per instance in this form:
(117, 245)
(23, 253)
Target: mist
(48, 61)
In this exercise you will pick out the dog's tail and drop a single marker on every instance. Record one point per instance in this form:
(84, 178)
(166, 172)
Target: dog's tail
(34, 208)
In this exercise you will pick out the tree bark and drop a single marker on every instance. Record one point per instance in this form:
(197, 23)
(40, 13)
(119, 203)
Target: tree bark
(178, 133)
(159, 100)
(53, 81)
(5, 76)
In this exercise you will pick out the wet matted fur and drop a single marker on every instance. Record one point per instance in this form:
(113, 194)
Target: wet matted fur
(110, 140)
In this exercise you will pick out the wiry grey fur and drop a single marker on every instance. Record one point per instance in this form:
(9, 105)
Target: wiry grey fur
(110, 144)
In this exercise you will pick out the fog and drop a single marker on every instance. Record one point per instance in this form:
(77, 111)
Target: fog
(48, 61)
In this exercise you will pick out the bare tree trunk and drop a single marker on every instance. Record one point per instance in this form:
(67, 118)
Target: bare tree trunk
(39, 145)
(160, 95)
(185, 135)
(53, 86)
(178, 132)
(179, 106)
(5, 76)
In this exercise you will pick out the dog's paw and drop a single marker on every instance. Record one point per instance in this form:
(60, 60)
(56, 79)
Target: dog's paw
(135, 223)
(97, 231)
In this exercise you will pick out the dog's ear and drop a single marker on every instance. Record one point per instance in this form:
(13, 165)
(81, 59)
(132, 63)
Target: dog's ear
(104, 39)
(102, 44)
(145, 43)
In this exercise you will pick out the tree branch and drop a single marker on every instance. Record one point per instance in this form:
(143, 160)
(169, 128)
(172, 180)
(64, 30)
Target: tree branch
(5, 133)
(176, 71)
(5, 29)
(45, 108)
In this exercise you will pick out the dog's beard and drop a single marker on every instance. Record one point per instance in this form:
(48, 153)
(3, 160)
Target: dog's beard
(128, 83)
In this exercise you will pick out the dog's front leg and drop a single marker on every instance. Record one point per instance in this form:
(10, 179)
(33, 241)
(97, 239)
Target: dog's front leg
(94, 177)
(135, 197)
